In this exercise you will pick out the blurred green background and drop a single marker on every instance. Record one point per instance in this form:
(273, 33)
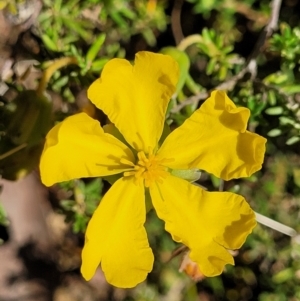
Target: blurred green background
(51, 51)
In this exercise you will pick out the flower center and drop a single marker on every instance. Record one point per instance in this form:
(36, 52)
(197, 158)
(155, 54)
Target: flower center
(148, 169)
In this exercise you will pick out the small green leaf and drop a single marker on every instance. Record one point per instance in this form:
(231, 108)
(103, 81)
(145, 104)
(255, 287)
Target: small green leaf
(67, 204)
(3, 217)
(49, 43)
(190, 175)
(184, 64)
(274, 111)
(149, 36)
(194, 87)
(98, 65)
(61, 82)
(215, 181)
(258, 108)
(296, 176)
(291, 89)
(277, 78)
(211, 66)
(284, 275)
(286, 120)
(274, 133)
(272, 98)
(95, 48)
(57, 5)
(223, 73)
(80, 223)
(292, 140)
(206, 35)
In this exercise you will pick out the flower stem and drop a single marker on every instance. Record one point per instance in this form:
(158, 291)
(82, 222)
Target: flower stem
(12, 151)
(56, 64)
(190, 40)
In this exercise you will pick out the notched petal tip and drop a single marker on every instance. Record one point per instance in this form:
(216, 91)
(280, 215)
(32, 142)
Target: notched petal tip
(208, 223)
(212, 259)
(135, 97)
(90, 261)
(128, 277)
(215, 139)
(118, 272)
(240, 223)
(233, 238)
(250, 149)
(250, 146)
(164, 78)
(116, 238)
(218, 265)
(232, 117)
(78, 148)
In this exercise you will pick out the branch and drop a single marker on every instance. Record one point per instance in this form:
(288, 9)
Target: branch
(176, 21)
(251, 64)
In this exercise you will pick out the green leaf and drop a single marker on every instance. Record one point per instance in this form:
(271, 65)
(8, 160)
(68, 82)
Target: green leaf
(274, 111)
(49, 43)
(194, 87)
(286, 120)
(215, 181)
(296, 176)
(3, 4)
(184, 64)
(223, 73)
(80, 223)
(95, 48)
(118, 19)
(149, 36)
(94, 187)
(3, 217)
(293, 140)
(77, 27)
(61, 82)
(129, 13)
(284, 275)
(258, 108)
(190, 175)
(208, 35)
(291, 89)
(67, 204)
(211, 66)
(57, 5)
(274, 133)
(272, 98)
(277, 78)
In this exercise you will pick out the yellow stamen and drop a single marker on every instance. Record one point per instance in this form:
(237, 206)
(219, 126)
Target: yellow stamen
(126, 162)
(148, 168)
(129, 173)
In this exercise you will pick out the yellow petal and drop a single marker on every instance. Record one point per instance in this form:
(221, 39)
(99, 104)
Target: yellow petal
(206, 222)
(77, 148)
(215, 139)
(135, 98)
(116, 237)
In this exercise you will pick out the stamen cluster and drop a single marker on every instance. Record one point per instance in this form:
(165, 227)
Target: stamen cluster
(148, 169)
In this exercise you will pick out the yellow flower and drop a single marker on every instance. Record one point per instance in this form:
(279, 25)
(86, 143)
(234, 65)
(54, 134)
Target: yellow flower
(214, 138)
